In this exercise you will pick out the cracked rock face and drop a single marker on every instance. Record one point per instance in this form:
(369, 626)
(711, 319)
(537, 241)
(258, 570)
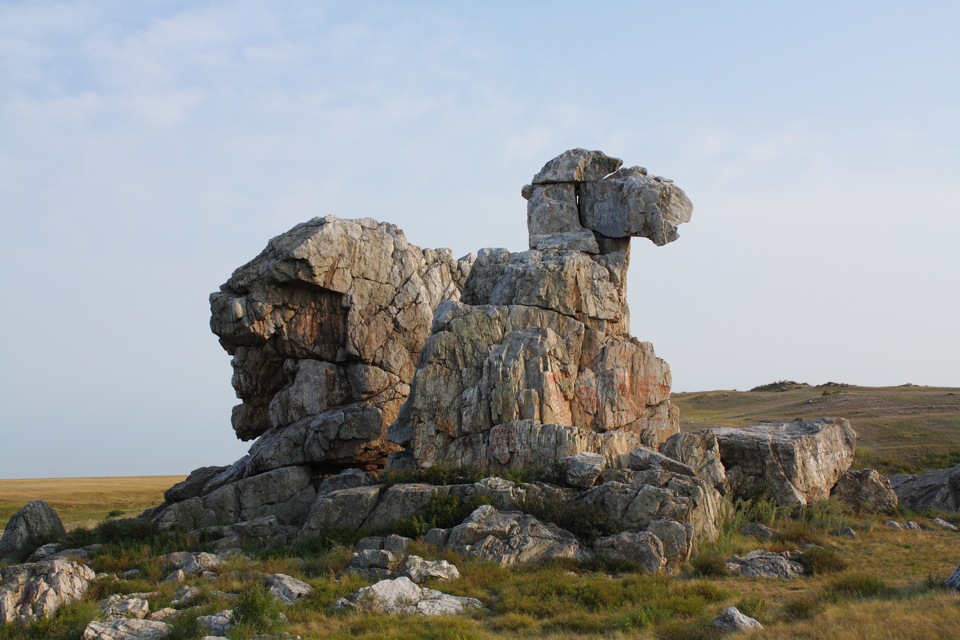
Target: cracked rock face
(37, 590)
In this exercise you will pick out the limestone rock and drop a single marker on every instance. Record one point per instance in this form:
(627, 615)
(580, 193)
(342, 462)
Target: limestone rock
(553, 220)
(937, 490)
(631, 203)
(943, 524)
(577, 165)
(757, 530)
(37, 590)
(582, 469)
(657, 494)
(217, 624)
(286, 589)
(117, 607)
(344, 510)
(765, 564)
(35, 521)
(401, 595)
(263, 531)
(643, 548)
(375, 564)
(510, 538)
(162, 615)
(332, 313)
(420, 570)
(866, 490)
(799, 462)
(127, 629)
(732, 621)
(700, 451)
(191, 562)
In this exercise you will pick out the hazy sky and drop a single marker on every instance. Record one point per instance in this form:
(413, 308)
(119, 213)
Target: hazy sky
(149, 148)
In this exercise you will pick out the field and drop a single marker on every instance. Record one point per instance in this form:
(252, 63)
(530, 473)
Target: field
(901, 429)
(86, 501)
(884, 583)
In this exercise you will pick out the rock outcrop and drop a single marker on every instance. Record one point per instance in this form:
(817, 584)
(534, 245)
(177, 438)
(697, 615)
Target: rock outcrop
(324, 327)
(32, 524)
(37, 590)
(866, 490)
(535, 362)
(939, 489)
(798, 462)
(402, 596)
(766, 564)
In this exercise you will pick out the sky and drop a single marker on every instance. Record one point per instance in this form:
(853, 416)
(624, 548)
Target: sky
(148, 149)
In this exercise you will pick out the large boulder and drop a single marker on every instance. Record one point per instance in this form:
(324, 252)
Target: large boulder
(37, 590)
(508, 538)
(700, 451)
(866, 490)
(644, 548)
(939, 490)
(797, 462)
(33, 524)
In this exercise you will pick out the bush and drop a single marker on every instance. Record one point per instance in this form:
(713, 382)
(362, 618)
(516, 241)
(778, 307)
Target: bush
(781, 385)
(442, 511)
(257, 611)
(710, 564)
(802, 608)
(586, 521)
(817, 561)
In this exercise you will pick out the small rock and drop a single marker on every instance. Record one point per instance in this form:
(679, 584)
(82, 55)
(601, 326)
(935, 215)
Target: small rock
(757, 530)
(285, 588)
(953, 582)
(176, 577)
(185, 596)
(911, 526)
(401, 595)
(217, 624)
(130, 574)
(126, 629)
(766, 564)
(420, 570)
(846, 532)
(45, 551)
(893, 524)
(943, 524)
(731, 621)
(582, 469)
(118, 606)
(163, 614)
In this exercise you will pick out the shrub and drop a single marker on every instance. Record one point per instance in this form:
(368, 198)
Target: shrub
(257, 610)
(441, 511)
(710, 564)
(818, 561)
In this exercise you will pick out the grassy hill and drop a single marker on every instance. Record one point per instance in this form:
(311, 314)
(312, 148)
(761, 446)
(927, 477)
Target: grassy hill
(901, 429)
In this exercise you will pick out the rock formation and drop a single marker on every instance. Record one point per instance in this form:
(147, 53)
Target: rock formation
(866, 490)
(535, 362)
(33, 523)
(939, 489)
(37, 590)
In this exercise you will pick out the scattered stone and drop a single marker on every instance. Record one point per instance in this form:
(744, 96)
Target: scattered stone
(953, 581)
(911, 526)
(130, 574)
(643, 548)
(285, 588)
(401, 595)
(35, 521)
(893, 524)
(218, 624)
(866, 490)
(582, 469)
(420, 570)
(36, 590)
(846, 532)
(126, 629)
(45, 551)
(118, 606)
(757, 530)
(937, 490)
(943, 524)
(163, 614)
(179, 576)
(765, 564)
(799, 462)
(509, 538)
(392, 543)
(185, 596)
(732, 621)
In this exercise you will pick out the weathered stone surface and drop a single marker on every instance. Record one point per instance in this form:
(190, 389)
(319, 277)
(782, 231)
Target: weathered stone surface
(798, 462)
(765, 564)
(37, 590)
(757, 530)
(346, 479)
(866, 490)
(265, 531)
(286, 589)
(126, 629)
(943, 524)
(34, 522)
(631, 203)
(657, 494)
(939, 490)
(510, 538)
(401, 595)
(344, 510)
(331, 313)
(118, 607)
(577, 165)
(582, 469)
(553, 220)
(190, 562)
(700, 451)
(375, 564)
(678, 538)
(732, 621)
(643, 548)
(420, 570)
(162, 615)
(217, 624)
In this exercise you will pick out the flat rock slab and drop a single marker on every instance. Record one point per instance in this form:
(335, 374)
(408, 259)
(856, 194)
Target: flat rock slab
(127, 629)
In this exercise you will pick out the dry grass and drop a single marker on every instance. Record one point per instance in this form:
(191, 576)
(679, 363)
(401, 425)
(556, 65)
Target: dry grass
(902, 428)
(85, 501)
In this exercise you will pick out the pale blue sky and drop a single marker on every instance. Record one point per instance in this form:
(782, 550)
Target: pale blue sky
(147, 149)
